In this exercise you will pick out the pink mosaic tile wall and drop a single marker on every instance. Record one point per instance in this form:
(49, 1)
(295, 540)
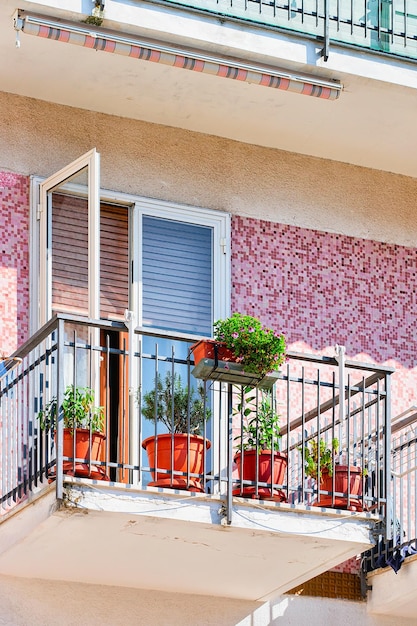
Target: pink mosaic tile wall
(14, 260)
(323, 289)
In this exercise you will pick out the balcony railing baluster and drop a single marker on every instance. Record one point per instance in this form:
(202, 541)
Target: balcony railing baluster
(387, 27)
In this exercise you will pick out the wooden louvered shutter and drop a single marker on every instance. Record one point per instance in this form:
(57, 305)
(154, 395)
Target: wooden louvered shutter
(114, 261)
(70, 257)
(69, 254)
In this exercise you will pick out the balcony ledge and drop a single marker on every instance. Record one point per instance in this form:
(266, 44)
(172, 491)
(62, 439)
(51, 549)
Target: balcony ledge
(175, 541)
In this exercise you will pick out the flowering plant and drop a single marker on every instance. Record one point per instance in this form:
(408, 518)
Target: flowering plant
(259, 349)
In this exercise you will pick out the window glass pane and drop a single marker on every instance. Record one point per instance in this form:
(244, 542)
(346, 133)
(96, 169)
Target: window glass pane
(177, 275)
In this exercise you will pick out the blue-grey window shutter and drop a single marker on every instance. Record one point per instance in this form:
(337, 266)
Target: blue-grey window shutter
(177, 275)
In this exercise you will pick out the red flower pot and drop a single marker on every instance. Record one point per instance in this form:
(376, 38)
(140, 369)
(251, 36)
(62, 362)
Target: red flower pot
(347, 480)
(175, 453)
(208, 348)
(84, 451)
(264, 466)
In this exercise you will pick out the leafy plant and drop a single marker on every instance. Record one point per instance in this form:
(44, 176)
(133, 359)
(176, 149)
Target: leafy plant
(172, 404)
(97, 14)
(261, 423)
(78, 410)
(259, 349)
(316, 451)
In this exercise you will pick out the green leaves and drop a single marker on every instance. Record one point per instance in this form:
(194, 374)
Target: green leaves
(319, 453)
(176, 406)
(260, 428)
(78, 409)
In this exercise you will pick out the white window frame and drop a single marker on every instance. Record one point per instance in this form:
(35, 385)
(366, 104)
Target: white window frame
(40, 266)
(91, 162)
(219, 223)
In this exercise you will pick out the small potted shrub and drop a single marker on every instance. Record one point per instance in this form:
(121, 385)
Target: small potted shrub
(258, 458)
(332, 477)
(257, 350)
(83, 424)
(181, 450)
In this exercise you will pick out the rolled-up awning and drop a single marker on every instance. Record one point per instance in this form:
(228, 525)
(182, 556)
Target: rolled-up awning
(194, 60)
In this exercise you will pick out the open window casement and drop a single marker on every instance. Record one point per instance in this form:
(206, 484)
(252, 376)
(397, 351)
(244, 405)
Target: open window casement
(60, 195)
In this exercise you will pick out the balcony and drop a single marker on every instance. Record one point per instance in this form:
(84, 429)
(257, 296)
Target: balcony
(389, 27)
(282, 529)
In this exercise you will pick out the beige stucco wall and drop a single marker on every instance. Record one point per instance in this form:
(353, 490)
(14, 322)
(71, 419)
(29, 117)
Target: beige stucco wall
(191, 168)
(50, 603)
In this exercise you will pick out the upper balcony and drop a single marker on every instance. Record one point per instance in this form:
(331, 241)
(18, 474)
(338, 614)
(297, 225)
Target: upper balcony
(214, 515)
(316, 78)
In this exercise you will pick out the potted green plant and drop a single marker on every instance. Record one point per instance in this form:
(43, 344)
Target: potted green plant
(341, 484)
(258, 458)
(243, 351)
(179, 453)
(83, 424)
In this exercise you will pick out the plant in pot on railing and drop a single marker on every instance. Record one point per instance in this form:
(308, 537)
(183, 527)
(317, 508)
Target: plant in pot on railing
(255, 351)
(179, 453)
(258, 458)
(83, 424)
(333, 478)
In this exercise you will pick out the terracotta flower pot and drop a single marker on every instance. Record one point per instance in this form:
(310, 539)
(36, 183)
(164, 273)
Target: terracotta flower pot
(266, 464)
(83, 451)
(173, 453)
(346, 480)
(208, 349)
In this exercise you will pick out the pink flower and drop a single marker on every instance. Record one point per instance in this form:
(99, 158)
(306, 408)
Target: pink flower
(235, 335)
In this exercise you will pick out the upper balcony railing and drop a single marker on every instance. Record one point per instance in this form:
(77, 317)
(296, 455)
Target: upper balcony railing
(388, 26)
(147, 387)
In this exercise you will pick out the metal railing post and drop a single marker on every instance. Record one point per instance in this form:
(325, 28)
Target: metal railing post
(229, 497)
(325, 49)
(340, 358)
(388, 462)
(60, 415)
(134, 420)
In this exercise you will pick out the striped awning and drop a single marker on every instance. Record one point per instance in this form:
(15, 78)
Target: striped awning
(196, 61)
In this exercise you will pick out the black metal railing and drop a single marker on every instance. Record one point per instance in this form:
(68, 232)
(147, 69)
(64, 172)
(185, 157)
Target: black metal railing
(402, 542)
(388, 26)
(149, 388)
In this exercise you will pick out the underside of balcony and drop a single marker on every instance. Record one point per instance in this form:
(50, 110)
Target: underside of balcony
(177, 541)
(48, 69)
